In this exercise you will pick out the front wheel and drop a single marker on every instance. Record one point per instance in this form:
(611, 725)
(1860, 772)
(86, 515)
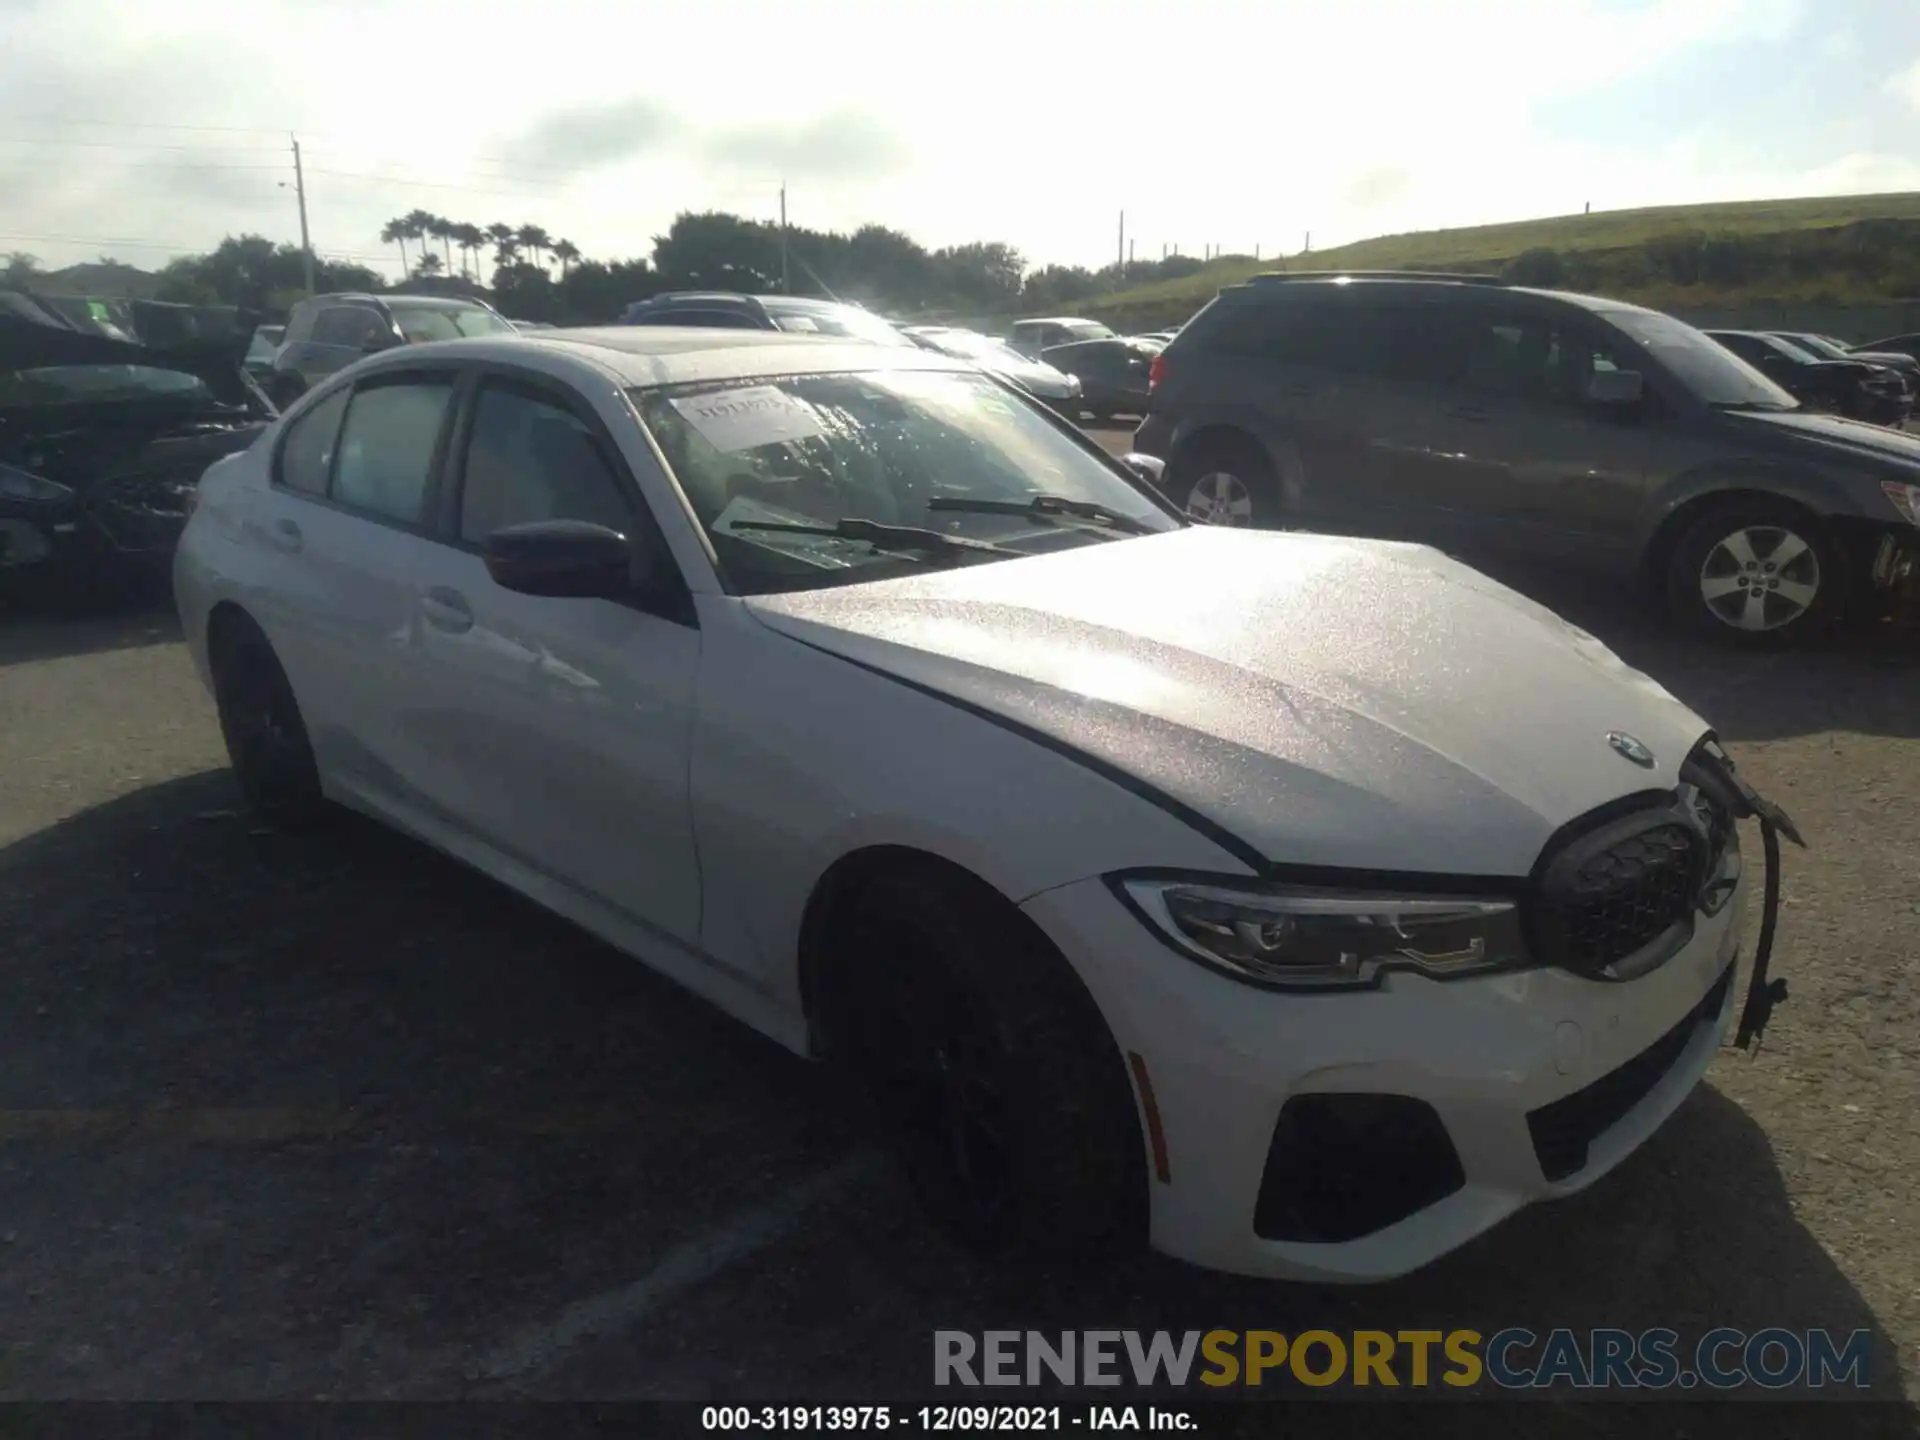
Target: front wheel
(1755, 572)
(1000, 1079)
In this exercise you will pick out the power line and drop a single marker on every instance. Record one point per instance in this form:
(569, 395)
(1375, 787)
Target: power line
(120, 242)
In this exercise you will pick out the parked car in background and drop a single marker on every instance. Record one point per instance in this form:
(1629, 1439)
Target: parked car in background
(523, 326)
(262, 349)
(848, 688)
(1161, 336)
(1825, 347)
(1499, 421)
(1900, 344)
(327, 333)
(101, 444)
(1856, 389)
(1031, 337)
(1036, 377)
(793, 314)
(1113, 373)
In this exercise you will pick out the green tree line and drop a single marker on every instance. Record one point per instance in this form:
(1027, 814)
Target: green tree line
(530, 274)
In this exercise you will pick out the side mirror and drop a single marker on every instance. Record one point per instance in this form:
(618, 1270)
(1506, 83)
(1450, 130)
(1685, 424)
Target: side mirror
(568, 558)
(1148, 467)
(1616, 387)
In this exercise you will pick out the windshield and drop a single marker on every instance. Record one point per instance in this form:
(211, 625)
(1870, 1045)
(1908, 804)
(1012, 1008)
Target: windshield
(1087, 330)
(877, 446)
(1822, 348)
(1710, 372)
(421, 325)
(86, 384)
(845, 321)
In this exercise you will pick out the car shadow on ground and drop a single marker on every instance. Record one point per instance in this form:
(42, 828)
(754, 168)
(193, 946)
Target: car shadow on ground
(332, 1115)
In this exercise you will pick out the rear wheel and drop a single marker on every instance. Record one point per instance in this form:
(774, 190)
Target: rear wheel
(265, 734)
(1226, 481)
(994, 1069)
(1755, 571)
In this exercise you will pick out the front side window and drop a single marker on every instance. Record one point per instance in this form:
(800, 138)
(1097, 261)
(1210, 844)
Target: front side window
(530, 459)
(1534, 359)
(1709, 372)
(972, 472)
(387, 445)
(306, 456)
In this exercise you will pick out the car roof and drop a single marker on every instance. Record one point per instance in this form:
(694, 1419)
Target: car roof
(676, 354)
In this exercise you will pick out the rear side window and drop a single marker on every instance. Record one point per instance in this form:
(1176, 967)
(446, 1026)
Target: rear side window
(351, 325)
(306, 456)
(1373, 341)
(530, 459)
(387, 446)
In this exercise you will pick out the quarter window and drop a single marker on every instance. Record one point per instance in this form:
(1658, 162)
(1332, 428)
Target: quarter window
(387, 445)
(306, 457)
(529, 459)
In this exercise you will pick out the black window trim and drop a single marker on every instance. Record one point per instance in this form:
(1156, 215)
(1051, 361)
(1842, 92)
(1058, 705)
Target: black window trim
(450, 476)
(425, 527)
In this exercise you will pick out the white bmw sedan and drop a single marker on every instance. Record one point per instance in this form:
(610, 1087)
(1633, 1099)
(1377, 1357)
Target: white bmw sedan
(1304, 904)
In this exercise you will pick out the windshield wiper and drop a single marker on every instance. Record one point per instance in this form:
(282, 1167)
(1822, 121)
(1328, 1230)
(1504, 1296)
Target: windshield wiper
(885, 537)
(1042, 509)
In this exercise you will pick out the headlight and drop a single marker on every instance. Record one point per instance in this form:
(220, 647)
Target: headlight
(1905, 498)
(1073, 384)
(1318, 940)
(20, 485)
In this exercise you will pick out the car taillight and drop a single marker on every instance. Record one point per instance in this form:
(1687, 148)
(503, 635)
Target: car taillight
(1156, 372)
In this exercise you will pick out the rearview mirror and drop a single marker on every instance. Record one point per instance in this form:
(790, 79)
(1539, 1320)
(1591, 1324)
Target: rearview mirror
(1148, 467)
(1616, 387)
(568, 558)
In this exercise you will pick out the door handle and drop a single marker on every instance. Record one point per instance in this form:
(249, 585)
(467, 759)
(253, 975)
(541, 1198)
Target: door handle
(284, 535)
(446, 610)
(1467, 412)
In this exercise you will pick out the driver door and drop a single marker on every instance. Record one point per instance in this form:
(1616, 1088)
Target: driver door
(559, 727)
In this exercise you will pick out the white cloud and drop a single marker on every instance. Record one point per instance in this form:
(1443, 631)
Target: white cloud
(1031, 122)
(1906, 85)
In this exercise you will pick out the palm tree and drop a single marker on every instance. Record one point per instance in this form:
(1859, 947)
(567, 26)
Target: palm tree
(394, 232)
(441, 229)
(429, 265)
(506, 243)
(566, 252)
(535, 240)
(470, 238)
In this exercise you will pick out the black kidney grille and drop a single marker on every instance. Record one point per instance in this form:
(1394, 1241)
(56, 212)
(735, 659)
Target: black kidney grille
(1602, 903)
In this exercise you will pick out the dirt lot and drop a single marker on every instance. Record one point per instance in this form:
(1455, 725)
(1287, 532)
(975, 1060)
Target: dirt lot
(331, 1116)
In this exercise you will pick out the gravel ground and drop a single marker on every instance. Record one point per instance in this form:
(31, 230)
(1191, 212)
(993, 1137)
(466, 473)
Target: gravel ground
(331, 1116)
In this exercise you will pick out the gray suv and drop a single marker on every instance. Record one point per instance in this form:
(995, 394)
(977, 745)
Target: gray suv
(327, 333)
(1483, 418)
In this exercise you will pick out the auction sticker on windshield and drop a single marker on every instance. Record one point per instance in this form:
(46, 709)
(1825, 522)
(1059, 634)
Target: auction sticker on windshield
(732, 420)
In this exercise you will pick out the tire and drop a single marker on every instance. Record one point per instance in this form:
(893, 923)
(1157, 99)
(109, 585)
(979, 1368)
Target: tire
(993, 1069)
(1226, 481)
(1726, 579)
(266, 737)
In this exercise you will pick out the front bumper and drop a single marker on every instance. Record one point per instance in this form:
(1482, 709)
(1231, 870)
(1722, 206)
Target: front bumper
(1489, 1056)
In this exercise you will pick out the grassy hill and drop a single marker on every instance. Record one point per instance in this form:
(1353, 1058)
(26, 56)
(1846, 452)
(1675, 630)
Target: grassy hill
(1836, 250)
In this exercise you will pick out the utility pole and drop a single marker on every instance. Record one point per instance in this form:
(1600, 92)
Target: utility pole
(1129, 252)
(786, 283)
(300, 194)
(1120, 258)
(1256, 252)
(1309, 245)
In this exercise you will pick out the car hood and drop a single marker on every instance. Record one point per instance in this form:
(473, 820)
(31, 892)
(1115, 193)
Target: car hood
(1826, 431)
(1324, 701)
(27, 343)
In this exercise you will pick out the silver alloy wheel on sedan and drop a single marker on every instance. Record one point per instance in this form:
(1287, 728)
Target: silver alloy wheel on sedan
(1760, 578)
(1220, 498)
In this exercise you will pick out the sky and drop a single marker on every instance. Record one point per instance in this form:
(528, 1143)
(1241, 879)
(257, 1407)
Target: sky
(144, 131)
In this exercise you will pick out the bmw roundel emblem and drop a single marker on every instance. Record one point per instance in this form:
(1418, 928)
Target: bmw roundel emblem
(1631, 748)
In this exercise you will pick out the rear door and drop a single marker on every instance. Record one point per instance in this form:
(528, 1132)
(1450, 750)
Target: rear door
(1522, 459)
(556, 729)
(345, 525)
(1344, 389)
